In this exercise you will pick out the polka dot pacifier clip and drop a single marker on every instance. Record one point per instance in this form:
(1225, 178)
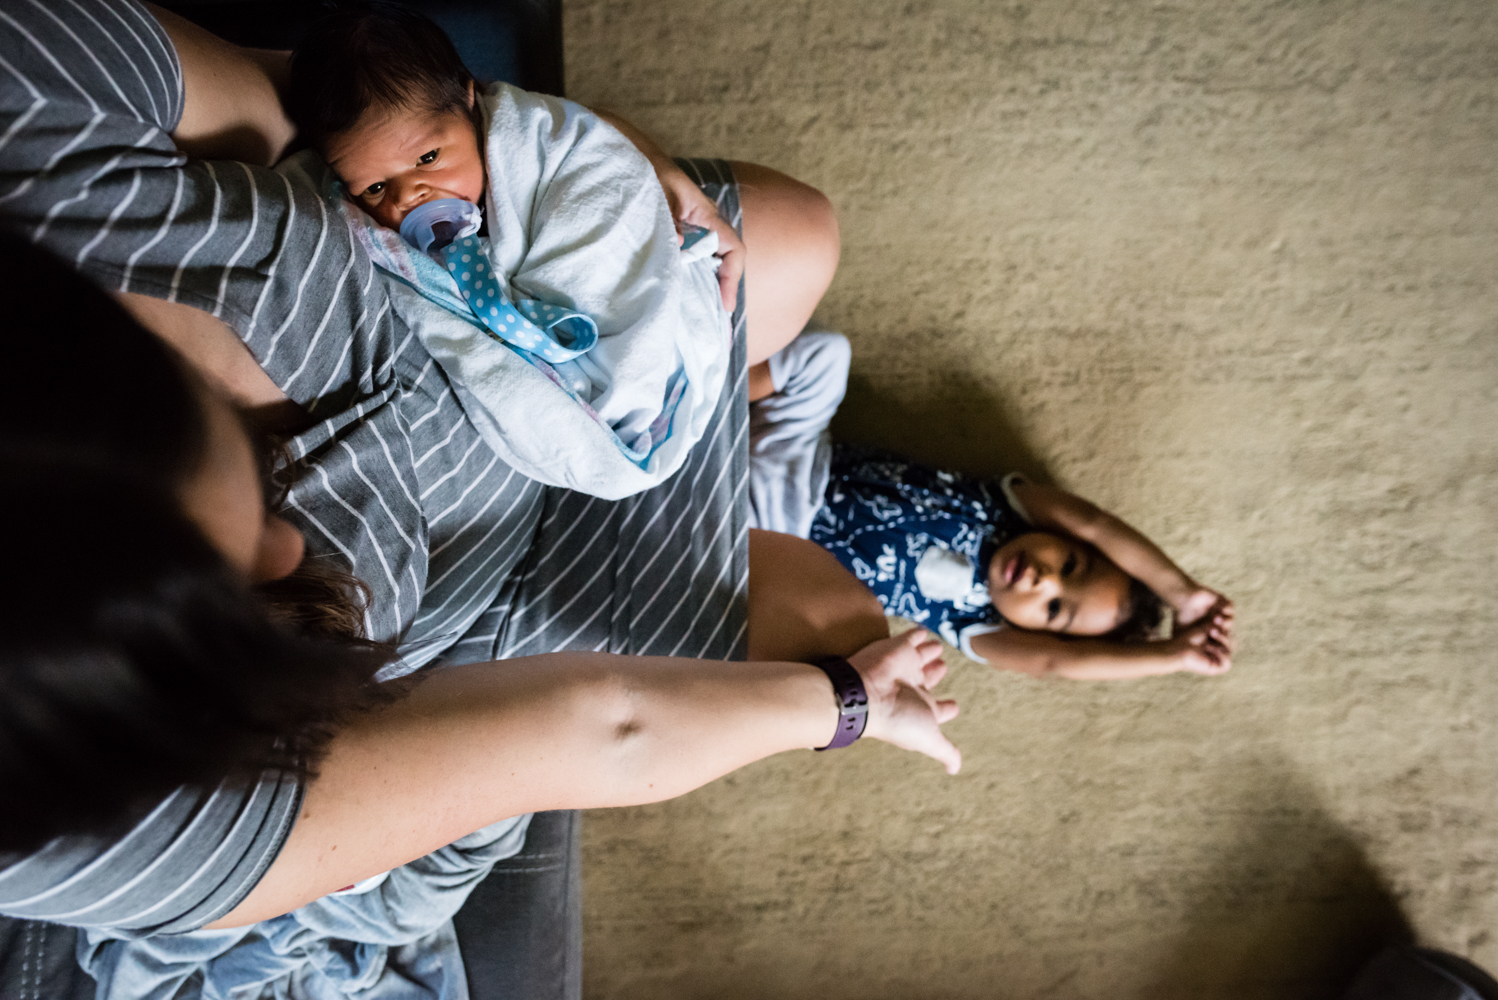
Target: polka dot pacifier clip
(552, 333)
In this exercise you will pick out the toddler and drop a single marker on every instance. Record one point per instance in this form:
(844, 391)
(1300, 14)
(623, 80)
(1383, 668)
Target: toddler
(1025, 576)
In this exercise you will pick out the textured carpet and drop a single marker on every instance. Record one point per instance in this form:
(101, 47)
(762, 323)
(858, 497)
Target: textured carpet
(1231, 269)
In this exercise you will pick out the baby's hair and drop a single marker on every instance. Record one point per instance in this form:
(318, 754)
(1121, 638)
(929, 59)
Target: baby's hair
(1146, 613)
(372, 54)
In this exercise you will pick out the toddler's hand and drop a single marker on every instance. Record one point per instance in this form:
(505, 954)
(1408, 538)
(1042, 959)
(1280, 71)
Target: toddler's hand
(1193, 607)
(1206, 647)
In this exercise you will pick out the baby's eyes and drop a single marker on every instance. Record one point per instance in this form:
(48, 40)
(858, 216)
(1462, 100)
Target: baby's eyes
(427, 158)
(1052, 609)
(373, 190)
(1068, 567)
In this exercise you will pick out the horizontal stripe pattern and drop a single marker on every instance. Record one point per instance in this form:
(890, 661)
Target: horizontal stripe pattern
(466, 559)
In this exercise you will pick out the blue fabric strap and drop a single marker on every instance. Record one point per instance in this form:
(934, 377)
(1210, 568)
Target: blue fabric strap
(551, 332)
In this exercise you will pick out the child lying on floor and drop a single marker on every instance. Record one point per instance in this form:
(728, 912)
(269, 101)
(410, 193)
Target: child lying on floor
(527, 244)
(1028, 577)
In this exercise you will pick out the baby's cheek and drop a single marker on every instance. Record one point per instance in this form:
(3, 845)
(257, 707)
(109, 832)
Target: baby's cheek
(474, 184)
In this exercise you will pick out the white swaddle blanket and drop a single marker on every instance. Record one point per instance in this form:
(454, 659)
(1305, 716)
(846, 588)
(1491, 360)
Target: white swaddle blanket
(577, 219)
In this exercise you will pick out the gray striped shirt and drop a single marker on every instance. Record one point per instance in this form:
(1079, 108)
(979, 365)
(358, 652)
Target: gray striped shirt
(466, 559)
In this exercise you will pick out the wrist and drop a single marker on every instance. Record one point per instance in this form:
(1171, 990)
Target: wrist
(850, 696)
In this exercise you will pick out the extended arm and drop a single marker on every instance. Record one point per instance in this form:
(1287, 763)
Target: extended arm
(477, 743)
(1204, 648)
(1133, 553)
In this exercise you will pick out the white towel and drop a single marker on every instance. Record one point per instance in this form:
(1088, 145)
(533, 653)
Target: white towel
(575, 218)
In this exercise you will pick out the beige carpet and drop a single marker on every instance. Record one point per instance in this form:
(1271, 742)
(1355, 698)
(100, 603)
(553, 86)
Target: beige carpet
(1231, 269)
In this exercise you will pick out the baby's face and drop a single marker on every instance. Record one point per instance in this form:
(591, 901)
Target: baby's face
(394, 160)
(1053, 583)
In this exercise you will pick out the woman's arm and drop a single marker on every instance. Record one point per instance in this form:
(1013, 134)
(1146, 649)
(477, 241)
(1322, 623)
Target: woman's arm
(790, 228)
(1133, 553)
(233, 107)
(1204, 648)
(689, 206)
(474, 744)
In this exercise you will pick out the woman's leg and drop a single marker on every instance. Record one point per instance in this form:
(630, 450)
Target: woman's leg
(791, 234)
(803, 604)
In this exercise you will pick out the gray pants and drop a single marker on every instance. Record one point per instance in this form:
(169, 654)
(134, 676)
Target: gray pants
(521, 930)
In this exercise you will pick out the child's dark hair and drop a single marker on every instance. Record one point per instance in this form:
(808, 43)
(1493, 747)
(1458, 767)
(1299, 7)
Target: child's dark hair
(1146, 615)
(372, 54)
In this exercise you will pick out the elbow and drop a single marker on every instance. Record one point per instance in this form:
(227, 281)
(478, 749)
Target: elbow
(616, 704)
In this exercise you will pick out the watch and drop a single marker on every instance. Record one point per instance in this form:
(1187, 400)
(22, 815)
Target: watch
(852, 700)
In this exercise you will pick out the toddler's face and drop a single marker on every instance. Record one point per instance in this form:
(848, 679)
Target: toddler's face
(1053, 583)
(394, 160)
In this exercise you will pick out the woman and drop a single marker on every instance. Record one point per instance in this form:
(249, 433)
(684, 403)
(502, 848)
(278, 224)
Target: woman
(464, 562)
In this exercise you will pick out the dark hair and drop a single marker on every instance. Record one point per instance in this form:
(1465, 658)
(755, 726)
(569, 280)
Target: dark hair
(134, 659)
(1146, 613)
(367, 55)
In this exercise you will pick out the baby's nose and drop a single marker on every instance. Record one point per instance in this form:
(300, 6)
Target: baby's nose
(413, 194)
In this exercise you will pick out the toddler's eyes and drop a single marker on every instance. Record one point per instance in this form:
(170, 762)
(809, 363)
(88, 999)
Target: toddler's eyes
(1052, 609)
(427, 158)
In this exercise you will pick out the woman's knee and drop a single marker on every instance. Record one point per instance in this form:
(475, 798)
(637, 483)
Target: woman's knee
(790, 220)
(792, 236)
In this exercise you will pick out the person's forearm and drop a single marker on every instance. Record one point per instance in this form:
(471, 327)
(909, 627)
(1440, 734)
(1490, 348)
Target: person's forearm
(474, 744)
(1139, 557)
(1042, 655)
(231, 108)
(1102, 661)
(653, 152)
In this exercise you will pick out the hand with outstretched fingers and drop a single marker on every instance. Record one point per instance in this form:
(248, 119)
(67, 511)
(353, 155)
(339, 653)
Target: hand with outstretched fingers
(898, 675)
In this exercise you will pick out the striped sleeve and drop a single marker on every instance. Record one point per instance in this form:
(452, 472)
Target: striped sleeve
(187, 863)
(89, 92)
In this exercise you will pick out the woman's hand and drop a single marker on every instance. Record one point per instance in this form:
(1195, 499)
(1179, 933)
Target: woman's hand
(689, 206)
(898, 674)
(1207, 646)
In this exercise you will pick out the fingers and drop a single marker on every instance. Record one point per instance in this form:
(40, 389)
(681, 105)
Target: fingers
(729, 272)
(732, 256)
(934, 672)
(935, 743)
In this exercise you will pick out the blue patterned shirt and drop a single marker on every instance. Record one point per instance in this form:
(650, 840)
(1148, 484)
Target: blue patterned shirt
(920, 539)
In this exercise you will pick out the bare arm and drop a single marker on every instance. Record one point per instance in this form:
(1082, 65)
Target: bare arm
(477, 743)
(1204, 648)
(233, 108)
(1133, 553)
(689, 205)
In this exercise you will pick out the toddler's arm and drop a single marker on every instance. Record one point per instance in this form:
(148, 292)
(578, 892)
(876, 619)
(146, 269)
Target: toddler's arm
(1203, 648)
(1049, 507)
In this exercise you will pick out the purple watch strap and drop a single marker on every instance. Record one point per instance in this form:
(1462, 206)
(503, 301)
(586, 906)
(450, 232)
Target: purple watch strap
(852, 700)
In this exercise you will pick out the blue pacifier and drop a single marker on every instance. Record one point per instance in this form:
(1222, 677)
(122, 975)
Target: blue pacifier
(433, 225)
